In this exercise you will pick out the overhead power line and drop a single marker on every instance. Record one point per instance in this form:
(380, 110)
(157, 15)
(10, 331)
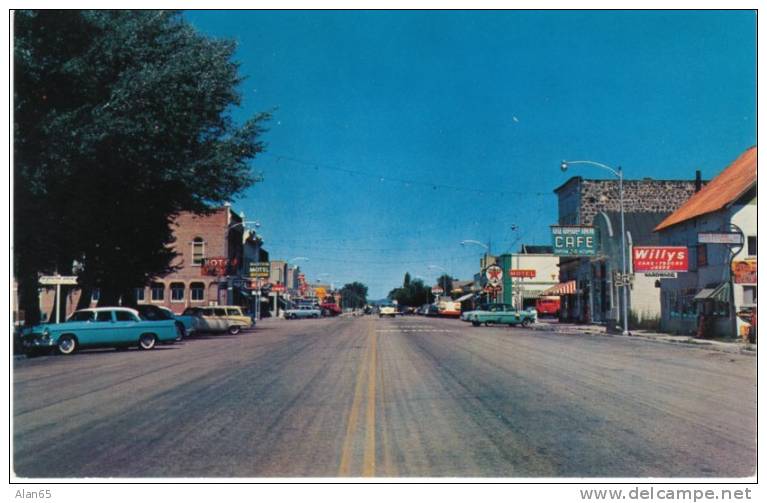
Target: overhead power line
(402, 181)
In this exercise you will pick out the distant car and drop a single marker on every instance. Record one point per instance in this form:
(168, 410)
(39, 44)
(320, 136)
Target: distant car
(330, 309)
(151, 312)
(228, 319)
(302, 312)
(431, 310)
(100, 327)
(389, 310)
(502, 314)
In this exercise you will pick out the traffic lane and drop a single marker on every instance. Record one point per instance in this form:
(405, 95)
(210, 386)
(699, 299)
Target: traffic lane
(595, 406)
(206, 409)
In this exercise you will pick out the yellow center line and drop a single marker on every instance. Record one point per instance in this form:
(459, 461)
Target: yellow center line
(351, 424)
(369, 457)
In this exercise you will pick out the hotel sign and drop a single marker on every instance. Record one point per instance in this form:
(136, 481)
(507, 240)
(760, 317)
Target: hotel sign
(660, 258)
(522, 273)
(574, 241)
(259, 269)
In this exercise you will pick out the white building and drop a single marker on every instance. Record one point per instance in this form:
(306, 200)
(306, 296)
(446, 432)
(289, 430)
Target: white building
(709, 300)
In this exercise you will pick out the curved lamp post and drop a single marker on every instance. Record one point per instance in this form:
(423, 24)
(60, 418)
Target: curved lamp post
(619, 174)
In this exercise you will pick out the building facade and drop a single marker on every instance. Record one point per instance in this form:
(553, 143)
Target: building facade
(580, 201)
(718, 294)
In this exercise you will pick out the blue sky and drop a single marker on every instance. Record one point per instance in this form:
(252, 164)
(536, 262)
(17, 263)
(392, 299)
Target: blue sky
(398, 134)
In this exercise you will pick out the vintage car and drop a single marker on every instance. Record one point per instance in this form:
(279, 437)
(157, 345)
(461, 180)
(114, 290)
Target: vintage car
(330, 309)
(304, 311)
(503, 314)
(387, 310)
(99, 327)
(152, 313)
(223, 319)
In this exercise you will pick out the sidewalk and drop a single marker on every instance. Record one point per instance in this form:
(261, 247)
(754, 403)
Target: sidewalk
(597, 330)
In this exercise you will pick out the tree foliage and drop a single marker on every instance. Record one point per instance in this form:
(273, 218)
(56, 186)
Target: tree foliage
(122, 119)
(412, 293)
(354, 295)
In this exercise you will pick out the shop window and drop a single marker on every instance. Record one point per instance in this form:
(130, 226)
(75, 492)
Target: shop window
(752, 246)
(158, 291)
(198, 251)
(177, 292)
(139, 293)
(749, 295)
(197, 291)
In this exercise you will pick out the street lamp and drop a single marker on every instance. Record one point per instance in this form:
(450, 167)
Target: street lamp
(618, 173)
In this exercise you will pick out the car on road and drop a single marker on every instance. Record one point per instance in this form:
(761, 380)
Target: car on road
(99, 327)
(387, 310)
(228, 319)
(152, 313)
(330, 309)
(501, 314)
(302, 312)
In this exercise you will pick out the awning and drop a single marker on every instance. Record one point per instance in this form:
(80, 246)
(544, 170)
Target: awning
(720, 293)
(465, 297)
(567, 288)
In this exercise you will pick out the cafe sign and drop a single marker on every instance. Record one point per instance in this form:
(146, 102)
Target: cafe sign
(660, 258)
(574, 240)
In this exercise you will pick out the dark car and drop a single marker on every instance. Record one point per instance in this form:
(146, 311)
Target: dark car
(155, 313)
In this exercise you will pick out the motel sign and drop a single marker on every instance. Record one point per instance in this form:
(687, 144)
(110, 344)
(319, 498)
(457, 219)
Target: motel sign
(574, 241)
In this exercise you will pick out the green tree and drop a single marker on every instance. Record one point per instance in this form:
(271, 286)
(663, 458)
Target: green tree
(122, 119)
(446, 283)
(411, 293)
(354, 295)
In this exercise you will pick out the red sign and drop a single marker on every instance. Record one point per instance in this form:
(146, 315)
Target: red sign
(744, 271)
(660, 258)
(279, 287)
(494, 274)
(436, 289)
(522, 273)
(218, 266)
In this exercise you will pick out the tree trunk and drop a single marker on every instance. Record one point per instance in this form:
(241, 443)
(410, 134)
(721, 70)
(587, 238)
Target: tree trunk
(85, 297)
(108, 296)
(129, 298)
(29, 300)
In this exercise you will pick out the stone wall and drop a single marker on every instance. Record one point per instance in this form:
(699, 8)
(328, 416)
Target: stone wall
(660, 196)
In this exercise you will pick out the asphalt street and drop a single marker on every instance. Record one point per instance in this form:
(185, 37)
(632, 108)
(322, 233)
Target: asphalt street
(405, 397)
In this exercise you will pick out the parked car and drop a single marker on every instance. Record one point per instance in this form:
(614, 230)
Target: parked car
(302, 312)
(151, 313)
(223, 319)
(548, 306)
(500, 314)
(191, 319)
(389, 310)
(100, 327)
(431, 310)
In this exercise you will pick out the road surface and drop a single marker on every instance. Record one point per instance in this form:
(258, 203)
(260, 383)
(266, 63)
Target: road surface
(405, 397)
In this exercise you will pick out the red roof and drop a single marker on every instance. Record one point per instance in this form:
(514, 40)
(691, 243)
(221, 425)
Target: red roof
(726, 188)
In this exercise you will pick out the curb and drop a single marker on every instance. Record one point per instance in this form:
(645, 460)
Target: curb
(722, 347)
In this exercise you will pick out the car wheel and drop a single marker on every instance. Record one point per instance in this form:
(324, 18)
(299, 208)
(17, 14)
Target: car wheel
(475, 323)
(147, 341)
(67, 345)
(525, 323)
(180, 332)
(233, 330)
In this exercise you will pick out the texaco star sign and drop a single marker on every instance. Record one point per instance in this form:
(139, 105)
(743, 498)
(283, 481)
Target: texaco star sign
(494, 275)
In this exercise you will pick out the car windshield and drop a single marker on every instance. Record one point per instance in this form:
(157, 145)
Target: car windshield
(192, 311)
(81, 316)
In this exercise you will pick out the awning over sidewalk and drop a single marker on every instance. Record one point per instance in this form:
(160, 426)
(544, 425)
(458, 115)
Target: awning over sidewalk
(720, 293)
(465, 297)
(567, 288)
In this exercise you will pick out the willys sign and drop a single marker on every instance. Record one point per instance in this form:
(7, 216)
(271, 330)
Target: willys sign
(660, 258)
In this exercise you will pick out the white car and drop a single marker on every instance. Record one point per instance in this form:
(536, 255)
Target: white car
(387, 311)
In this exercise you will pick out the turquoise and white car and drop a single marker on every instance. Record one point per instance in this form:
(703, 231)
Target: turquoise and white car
(99, 327)
(501, 314)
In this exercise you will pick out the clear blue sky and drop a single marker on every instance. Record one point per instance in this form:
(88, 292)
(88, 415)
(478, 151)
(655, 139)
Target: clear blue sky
(399, 134)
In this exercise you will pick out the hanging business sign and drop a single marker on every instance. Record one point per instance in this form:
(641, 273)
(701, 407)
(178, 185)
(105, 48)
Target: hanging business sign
(725, 238)
(494, 275)
(574, 240)
(660, 258)
(214, 266)
(744, 271)
(259, 269)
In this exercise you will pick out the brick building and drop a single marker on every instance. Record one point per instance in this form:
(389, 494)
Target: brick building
(581, 200)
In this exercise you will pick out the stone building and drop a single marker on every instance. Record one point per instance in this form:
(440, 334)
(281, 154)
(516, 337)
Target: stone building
(581, 200)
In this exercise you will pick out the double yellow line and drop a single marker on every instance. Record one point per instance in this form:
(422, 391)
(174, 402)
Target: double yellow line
(367, 371)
